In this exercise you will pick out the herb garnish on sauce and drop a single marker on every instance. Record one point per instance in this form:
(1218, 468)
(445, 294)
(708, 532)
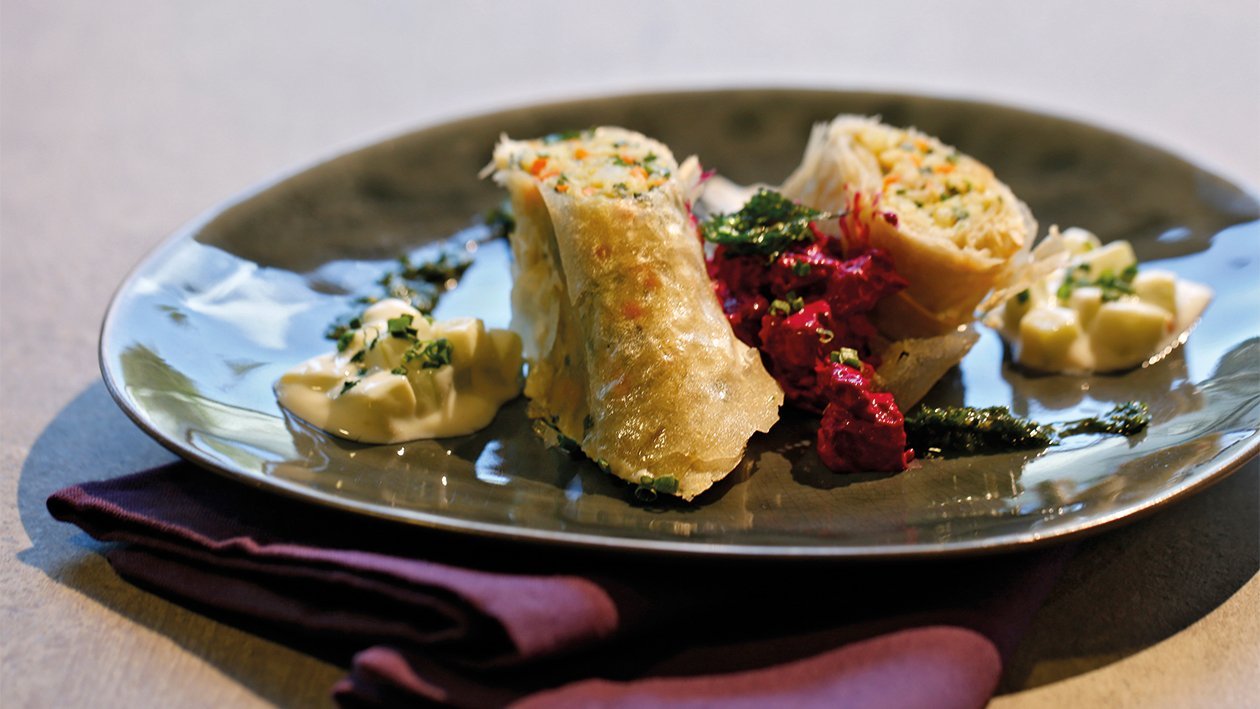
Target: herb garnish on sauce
(420, 285)
(1113, 286)
(768, 224)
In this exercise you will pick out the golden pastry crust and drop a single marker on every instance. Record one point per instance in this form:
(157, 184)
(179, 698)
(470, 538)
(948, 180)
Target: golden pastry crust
(949, 224)
(630, 353)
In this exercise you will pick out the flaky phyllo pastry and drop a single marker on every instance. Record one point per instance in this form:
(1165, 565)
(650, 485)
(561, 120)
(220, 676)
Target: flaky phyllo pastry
(954, 231)
(630, 355)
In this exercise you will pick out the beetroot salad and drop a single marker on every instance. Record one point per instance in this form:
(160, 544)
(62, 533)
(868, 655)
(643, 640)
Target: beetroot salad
(804, 298)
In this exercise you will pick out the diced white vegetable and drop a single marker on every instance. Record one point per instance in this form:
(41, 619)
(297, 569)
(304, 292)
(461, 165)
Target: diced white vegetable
(1085, 301)
(466, 336)
(1114, 257)
(322, 379)
(431, 387)
(1157, 288)
(1046, 334)
(1080, 241)
(1015, 309)
(378, 399)
(1124, 333)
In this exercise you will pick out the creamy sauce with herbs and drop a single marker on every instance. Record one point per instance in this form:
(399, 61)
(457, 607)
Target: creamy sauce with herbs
(1100, 312)
(397, 377)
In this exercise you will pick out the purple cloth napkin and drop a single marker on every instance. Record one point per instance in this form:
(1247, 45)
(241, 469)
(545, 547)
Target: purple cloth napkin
(430, 618)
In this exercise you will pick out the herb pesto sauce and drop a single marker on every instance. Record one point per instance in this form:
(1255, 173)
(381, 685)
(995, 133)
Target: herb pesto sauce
(967, 430)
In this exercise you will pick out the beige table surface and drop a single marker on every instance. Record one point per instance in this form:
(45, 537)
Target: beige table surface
(122, 120)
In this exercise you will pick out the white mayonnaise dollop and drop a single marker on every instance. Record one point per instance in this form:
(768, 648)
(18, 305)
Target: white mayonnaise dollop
(400, 377)
(1100, 313)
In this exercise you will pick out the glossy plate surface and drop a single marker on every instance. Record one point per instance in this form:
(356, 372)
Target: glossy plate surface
(198, 333)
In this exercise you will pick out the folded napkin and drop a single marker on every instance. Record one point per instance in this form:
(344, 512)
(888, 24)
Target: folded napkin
(424, 617)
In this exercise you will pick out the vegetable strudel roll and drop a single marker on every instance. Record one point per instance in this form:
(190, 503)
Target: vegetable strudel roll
(630, 355)
(949, 224)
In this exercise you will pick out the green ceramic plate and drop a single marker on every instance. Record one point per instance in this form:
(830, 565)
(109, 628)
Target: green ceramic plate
(198, 333)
